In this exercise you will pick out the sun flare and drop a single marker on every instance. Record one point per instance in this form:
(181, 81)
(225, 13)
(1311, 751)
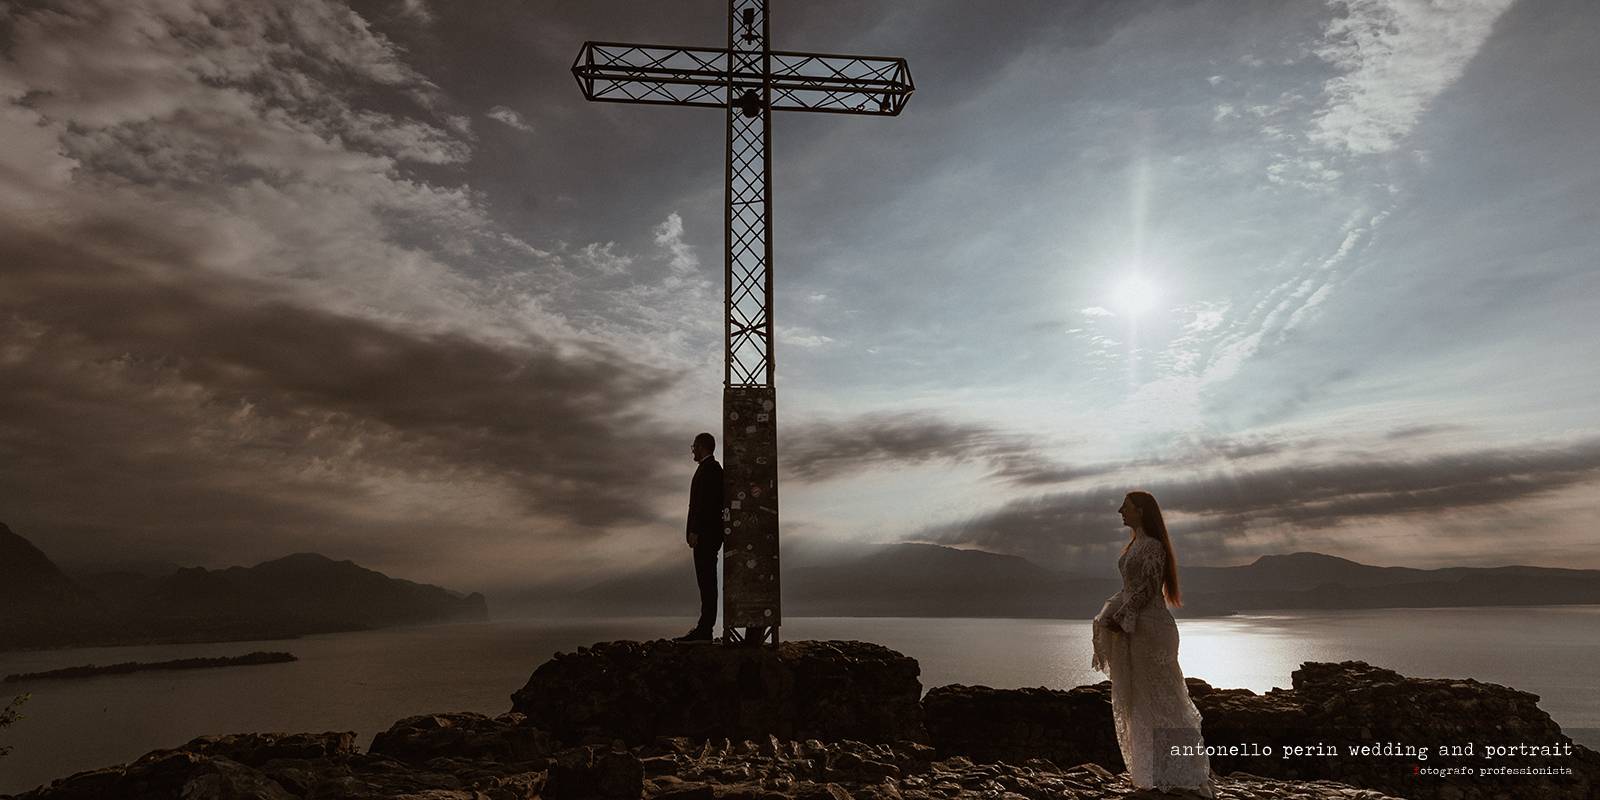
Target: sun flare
(1133, 296)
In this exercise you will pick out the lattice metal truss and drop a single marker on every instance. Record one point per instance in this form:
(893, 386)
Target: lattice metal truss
(698, 76)
(749, 204)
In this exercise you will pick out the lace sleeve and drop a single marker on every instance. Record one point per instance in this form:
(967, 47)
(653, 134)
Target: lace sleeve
(1143, 585)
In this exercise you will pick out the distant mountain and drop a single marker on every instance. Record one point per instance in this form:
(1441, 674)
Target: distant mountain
(304, 590)
(1296, 571)
(28, 578)
(895, 580)
(924, 580)
(298, 594)
(1317, 581)
(39, 603)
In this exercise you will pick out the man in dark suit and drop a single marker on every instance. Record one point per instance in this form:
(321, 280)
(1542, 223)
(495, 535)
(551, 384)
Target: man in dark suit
(704, 532)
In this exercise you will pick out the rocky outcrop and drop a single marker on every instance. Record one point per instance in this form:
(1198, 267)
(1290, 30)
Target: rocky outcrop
(572, 736)
(1013, 725)
(464, 735)
(246, 768)
(291, 766)
(639, 691)
(1355, 703)
(1331, 708)
(812, 770)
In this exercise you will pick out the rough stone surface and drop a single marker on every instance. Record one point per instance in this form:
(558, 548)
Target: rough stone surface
(261, 767)
(1341, 704)
(609, 772)
(506, 738)
(668, 769)
(1067, 727)
(255, 749)
(638, 691)
(682, 769)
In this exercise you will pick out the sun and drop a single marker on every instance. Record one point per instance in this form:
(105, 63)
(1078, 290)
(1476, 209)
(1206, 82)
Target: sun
(1133, 296)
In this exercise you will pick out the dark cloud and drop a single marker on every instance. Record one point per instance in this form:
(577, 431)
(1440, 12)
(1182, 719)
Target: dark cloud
(176, 399)
(822, 450)
(1422, 430)
(1079, 526)
(1035, 469)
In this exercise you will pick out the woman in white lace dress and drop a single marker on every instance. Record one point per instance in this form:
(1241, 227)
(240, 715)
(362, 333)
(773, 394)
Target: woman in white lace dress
(1136, 644)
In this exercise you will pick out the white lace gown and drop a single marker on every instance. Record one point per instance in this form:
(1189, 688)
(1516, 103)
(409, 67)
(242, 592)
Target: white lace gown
(1149, 701)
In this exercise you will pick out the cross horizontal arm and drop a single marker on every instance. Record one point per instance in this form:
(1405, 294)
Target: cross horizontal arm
(698, 76)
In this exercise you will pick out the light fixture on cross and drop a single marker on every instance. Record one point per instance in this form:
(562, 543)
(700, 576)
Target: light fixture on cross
(750, 81)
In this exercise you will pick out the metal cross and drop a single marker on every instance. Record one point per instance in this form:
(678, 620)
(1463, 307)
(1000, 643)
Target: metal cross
(750, 81)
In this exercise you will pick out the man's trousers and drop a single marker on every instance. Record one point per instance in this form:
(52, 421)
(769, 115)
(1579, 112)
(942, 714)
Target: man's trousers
(705, 574)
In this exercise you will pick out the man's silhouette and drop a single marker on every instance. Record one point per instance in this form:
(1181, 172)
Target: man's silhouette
(704, 532)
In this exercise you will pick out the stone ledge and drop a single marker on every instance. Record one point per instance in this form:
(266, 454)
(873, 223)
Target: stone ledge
(639, 691)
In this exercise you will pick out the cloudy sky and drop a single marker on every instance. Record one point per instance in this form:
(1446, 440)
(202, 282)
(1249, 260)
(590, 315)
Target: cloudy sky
(376, 281)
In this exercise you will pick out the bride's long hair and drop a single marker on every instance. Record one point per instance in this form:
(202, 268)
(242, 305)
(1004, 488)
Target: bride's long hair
(1150, 519)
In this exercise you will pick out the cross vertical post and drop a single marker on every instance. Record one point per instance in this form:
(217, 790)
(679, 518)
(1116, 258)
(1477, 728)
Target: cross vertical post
(749, 80)
(751, 595)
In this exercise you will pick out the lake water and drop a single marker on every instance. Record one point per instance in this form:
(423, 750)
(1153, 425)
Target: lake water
(365, 681)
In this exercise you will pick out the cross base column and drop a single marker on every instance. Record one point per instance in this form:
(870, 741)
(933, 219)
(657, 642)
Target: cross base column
(750, 595)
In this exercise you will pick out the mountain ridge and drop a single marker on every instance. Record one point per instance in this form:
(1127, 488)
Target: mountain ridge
(284, 597)
(308, 592)
(929, 580)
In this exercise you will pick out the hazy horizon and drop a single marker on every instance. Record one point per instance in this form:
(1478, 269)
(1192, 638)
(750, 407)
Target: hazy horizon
(375, 281)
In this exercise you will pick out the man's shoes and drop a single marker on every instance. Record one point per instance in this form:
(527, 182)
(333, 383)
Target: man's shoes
(695, 635)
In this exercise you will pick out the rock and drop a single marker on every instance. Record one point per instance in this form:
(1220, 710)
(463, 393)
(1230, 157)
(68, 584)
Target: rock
(507, 738)
(256, 749)
(585, 772)
(229, 780)
(1353, 702)
(1013, 725)
(823, 791)
(1338, 704)
(167, 774)
(674, 788)
(289, 766)
(638, 691)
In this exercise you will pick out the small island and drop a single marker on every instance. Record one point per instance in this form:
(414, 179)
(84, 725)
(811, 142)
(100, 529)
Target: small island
(89, 670)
